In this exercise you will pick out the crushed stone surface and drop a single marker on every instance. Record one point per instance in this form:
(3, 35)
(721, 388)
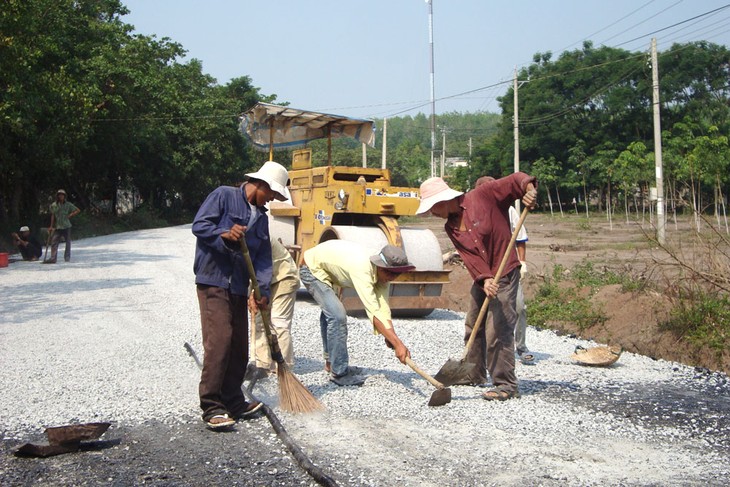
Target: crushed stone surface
(101, 339)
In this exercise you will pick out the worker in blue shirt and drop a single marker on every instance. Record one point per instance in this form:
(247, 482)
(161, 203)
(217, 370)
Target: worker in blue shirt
(221, 276)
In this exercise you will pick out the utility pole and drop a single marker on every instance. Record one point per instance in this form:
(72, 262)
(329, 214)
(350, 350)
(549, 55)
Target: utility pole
(657, 146)
(443, 150)
(515, 129)
(433, 91)
(385, 142)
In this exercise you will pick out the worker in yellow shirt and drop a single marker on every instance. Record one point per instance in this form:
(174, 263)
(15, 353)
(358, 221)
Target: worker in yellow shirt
(337, 264)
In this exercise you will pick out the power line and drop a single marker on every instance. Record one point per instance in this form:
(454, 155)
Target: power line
(566, 110)
(608, 26)
(417, 104)
(706, 35)
(642, 22)
(674, 25)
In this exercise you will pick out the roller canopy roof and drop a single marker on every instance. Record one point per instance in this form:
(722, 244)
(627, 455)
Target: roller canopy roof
(294, 128)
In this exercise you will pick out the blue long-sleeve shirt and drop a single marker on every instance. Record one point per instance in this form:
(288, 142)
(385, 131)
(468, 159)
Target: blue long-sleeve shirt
(219, 262)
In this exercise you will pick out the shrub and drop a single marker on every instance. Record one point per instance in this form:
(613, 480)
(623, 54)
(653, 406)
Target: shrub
(703, 319)
(553, 305)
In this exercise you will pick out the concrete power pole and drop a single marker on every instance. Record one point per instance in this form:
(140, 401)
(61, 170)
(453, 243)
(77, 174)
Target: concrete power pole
(657, 146)
(433, 90)
(516, 128)
(385, 141)
(443, 151)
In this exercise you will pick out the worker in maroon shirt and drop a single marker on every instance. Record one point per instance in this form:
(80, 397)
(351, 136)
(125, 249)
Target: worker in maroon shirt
(478, 225)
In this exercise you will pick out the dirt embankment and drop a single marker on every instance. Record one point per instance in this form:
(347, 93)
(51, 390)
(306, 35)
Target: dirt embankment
(632, 317)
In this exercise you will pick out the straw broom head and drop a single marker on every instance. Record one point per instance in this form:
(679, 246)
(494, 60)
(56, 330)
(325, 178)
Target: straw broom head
(293, 396)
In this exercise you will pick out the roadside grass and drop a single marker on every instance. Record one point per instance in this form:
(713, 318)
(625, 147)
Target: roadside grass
(699, 317)
(703, 320)
(565, 295)
(553, 306)
(700, 287)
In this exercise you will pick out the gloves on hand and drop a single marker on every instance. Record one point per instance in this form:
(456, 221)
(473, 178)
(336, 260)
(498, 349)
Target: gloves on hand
(523, 269)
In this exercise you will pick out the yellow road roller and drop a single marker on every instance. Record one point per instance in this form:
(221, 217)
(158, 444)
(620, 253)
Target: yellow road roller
(357, 204)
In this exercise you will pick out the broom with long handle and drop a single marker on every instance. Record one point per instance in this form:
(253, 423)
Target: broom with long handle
(293, 396)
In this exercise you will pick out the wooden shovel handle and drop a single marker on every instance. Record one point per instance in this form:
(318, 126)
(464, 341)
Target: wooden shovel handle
(417, 370)
(497, 277)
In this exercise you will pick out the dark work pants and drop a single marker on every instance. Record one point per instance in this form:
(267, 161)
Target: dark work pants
(58, 234)
(224, 320)
(30, 251)
(493, 347)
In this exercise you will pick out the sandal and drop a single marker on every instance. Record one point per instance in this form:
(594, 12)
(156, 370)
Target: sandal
(249, 409)
(527, 358)
(252, 408)
(500, 395)
(220, 421)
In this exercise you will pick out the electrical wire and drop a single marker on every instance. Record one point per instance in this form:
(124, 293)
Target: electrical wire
(544, 118)
(418, 104)
(642, 22)
(673, 25)
(607, 27)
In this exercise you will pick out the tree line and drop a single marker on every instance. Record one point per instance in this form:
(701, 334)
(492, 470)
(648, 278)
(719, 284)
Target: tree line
(90, 106)
(586, 131)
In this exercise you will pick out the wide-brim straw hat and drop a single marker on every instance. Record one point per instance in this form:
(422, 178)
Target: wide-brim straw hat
(275, 175)
(601, 356)
(434, 190)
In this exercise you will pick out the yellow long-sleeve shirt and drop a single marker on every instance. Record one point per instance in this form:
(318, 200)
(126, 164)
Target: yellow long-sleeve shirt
(344, 264)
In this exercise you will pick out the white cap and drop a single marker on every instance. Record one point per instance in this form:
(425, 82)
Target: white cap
(275, 175)
(24, 229)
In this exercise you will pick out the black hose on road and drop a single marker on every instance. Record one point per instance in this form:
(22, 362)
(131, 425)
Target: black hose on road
(304, 462)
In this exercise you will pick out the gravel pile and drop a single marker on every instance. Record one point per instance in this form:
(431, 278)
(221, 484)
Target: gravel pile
(101, 339)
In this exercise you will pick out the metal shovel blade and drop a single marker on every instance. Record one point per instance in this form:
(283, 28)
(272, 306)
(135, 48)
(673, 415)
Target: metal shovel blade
(44, 451)
(73, 433)
(454, 371)
(440, 397)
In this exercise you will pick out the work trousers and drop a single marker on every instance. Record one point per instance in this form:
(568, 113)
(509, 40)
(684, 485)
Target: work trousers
(58, 234)
(332, 322)
(30, 251)
(493, 348)
(223, 317)
(284, 295)
(521, 328)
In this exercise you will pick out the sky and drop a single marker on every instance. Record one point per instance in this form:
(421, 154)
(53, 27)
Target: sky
(371, 59)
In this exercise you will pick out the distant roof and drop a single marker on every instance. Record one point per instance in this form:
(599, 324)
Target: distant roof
(296, 128)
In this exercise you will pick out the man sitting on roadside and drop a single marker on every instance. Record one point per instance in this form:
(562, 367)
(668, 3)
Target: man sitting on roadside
(28, 246)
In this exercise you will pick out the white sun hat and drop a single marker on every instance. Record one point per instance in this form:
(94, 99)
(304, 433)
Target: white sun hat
(275, 175)
(434, 190)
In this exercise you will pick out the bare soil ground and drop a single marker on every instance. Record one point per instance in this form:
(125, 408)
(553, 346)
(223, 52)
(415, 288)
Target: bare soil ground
(618, 246)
